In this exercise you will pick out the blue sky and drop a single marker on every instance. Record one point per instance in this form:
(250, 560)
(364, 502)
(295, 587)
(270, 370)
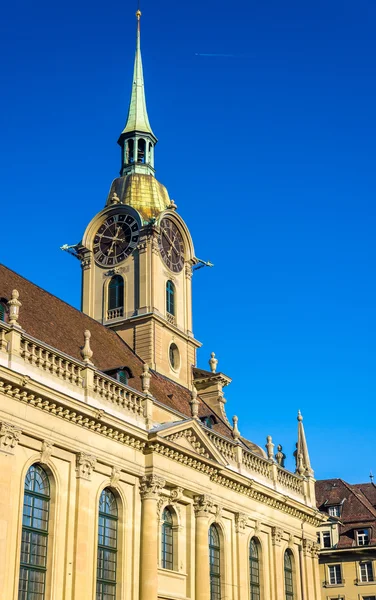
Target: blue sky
(269, 154)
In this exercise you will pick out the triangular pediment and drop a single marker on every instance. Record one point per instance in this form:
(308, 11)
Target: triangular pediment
(190, 436)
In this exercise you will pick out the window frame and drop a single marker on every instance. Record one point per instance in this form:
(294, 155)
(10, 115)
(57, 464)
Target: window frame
(215, 560)
(369, 572)
(334, 510)
(167, 539)
(29, 567)
(170, 298)
(288, 572)
(119, 292)
(254, 586)
(340, 580)
(100, 581)
(3, 311)
(364, 536)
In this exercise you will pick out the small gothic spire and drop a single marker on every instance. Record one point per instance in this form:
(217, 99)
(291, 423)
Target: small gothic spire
(303, 464)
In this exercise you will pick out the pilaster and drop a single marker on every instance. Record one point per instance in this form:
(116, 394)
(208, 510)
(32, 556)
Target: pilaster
(150, 489)
(202, 507)
(85, 519)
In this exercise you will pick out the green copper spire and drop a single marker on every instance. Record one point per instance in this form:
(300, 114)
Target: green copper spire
(138, 119)
(137, 139)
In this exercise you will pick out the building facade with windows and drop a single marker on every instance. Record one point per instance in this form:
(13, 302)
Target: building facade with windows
(121, 475)
(347, 540)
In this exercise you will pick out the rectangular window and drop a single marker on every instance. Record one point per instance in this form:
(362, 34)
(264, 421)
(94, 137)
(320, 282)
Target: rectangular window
(366, 571)
(334, 511)
(326, 539)
(369, 597)
(362, 537)
(335, 574)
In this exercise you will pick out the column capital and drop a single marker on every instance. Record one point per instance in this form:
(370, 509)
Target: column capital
(202, 505)
(151, 486)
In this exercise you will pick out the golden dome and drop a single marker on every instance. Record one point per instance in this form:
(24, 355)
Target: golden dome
(143, 192)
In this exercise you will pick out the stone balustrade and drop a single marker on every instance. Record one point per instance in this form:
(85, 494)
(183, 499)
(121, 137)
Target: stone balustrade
(99, 385)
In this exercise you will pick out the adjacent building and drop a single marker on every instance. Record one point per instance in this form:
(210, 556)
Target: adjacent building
(121, 475)
(347, 540)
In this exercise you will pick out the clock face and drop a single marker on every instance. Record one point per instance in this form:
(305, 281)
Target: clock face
(171, 245)
(115, 239)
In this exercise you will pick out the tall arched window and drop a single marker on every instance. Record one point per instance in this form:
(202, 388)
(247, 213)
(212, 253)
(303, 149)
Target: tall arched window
(115, 297)
(36, 505)
(170, 298)
(107, 546)
(254, 570)
(289, 583)
(141, 151)
(167, 540)
(214, 563)
(129, 156)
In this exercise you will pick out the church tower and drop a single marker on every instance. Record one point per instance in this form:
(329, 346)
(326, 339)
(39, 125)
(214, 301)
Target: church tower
(137, 254)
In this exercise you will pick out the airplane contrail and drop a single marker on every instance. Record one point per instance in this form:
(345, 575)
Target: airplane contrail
(213, 54)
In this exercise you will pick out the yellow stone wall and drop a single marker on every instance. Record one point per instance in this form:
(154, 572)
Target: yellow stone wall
(86, 442)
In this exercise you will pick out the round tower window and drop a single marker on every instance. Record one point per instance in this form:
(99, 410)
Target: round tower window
(174, 357)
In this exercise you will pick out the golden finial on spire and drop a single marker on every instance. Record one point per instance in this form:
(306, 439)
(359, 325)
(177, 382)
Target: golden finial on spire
(138, 14)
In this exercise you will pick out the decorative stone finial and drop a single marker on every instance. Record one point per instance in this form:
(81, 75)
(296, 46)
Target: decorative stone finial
(138, 14)
(269, 447)
(86, 351)
(235, 430)
(145, 377)
(213, 362)
(194, 404)
(14, 308)
(299, 417)
(173, 205)
(280, 456)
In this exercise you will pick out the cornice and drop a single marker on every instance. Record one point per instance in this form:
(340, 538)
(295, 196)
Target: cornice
(101, 423)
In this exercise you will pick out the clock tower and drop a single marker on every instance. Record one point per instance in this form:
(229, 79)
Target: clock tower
(137, 254)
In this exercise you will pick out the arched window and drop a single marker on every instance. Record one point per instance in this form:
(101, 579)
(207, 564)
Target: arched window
(129, 155)
(214, 563)
(107, 546)
(36, 505)
(289, 583)
(254, 570)
(115, 297)
(170, 298)
(141, 151)
(167, 540)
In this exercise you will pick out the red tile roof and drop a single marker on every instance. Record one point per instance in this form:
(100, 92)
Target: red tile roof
(357, 509)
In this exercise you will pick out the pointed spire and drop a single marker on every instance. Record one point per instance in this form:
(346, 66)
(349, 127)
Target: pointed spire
(303, 464)
(138, 119)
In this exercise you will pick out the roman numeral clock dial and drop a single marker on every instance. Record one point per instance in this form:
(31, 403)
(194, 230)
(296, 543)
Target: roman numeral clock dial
(171, 245)
(115, 239)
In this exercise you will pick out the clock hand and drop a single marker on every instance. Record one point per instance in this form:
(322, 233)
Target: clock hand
(166, 236)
